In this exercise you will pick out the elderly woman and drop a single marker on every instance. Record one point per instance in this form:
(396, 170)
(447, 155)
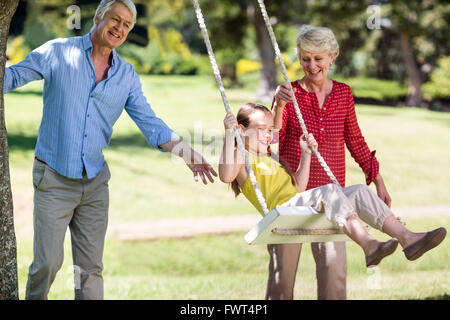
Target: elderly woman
(328, 110)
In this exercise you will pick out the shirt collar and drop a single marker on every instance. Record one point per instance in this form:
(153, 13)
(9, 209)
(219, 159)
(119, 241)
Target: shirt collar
(87, 44)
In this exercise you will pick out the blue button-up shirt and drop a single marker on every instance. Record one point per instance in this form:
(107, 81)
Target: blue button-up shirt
(78, 115)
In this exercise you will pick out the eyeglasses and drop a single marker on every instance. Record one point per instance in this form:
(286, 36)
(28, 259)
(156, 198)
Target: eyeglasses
(271, 132)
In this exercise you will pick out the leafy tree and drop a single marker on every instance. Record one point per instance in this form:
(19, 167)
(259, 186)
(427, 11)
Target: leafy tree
(405, 47)
(422, 29)
(412, 37)
(439, 84)
(347, 20)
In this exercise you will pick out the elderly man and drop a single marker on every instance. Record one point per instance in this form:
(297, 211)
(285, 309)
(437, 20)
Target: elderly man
(87, 86)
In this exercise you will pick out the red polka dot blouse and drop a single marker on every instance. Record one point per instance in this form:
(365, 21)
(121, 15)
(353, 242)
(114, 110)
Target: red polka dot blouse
(333, 126)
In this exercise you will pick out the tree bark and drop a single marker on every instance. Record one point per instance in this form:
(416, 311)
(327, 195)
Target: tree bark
(415, 87)
(8, 250)
(268, 79)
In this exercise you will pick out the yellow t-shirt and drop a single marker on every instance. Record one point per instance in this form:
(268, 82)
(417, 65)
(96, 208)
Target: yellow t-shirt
(274, 182)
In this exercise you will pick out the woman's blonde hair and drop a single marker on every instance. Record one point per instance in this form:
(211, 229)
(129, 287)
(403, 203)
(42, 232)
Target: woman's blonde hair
(317, 39)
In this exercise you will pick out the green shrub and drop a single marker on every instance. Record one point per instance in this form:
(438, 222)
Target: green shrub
(43, 25)
(160, 67)
(203, 64)
(244, 66)
(165, 54)
(439, 85)
(186, 67)
(378, 89)
(18, 50)
(293, 66)
(173, 41)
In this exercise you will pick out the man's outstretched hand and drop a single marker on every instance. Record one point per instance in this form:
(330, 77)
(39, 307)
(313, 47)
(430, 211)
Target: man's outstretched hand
(194, 160)
(202, 170)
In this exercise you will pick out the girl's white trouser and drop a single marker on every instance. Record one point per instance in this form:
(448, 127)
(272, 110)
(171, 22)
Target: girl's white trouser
(337, 203)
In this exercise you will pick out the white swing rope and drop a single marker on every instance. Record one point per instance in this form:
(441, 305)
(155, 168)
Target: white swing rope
(294, 100)
(296, 107)
(239, 142)
(202, 25)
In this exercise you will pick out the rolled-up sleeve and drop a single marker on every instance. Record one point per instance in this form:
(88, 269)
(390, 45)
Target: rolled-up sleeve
(154, 129)
(36, 66)
(357, 145)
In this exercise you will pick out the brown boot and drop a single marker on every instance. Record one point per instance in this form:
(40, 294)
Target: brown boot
(427, 242)
(384, 249)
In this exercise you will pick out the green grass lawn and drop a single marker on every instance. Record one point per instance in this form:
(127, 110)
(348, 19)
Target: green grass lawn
(412, 147)
(225, 267)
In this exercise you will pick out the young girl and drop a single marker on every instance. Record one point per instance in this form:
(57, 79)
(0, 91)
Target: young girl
(280, 187)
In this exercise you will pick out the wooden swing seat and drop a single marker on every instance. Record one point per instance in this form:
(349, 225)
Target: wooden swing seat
(294, 225)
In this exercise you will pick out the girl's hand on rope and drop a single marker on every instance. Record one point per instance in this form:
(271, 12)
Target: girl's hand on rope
(230, 121)
(307, 144)
(283, 95)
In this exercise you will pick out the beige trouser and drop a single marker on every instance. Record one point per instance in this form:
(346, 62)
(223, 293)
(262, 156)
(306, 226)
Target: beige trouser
(81, 204)
(330, 257)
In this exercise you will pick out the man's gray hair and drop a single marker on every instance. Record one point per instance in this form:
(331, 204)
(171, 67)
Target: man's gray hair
(105, 6)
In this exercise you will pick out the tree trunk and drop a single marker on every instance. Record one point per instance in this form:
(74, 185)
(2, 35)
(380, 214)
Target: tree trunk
(415, 87)
(268, 79)
(8, 253)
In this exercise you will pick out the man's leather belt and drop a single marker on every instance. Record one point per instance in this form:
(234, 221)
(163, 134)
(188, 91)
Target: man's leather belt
(40, 160)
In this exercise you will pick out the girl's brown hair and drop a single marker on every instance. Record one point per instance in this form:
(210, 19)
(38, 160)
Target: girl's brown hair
(243, 117)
